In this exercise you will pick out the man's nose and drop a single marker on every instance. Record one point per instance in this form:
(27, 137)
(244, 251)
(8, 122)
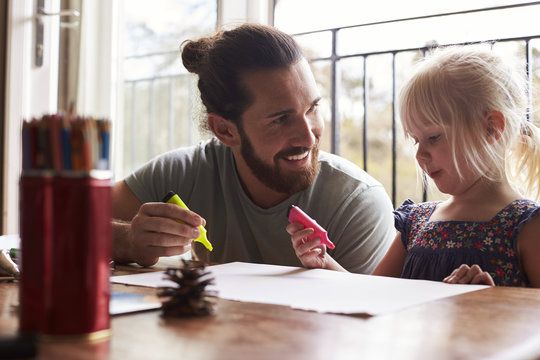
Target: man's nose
(307, 131)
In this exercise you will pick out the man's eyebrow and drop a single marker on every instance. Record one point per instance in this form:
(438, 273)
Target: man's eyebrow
(279, 113)
(291, 111)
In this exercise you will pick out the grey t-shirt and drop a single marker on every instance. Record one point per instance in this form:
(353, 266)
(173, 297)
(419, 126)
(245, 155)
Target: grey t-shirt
(352, 206)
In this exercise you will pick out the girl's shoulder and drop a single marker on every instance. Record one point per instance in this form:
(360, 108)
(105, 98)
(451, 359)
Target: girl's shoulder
(409, 207)
(410, 214)
(521, 209)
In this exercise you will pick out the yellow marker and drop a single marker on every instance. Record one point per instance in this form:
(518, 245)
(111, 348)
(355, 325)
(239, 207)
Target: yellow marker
(172, 198)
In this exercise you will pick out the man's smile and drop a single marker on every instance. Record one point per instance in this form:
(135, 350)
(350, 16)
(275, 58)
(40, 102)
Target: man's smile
(298, 157)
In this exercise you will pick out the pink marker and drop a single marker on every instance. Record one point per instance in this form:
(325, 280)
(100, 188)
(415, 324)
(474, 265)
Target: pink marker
(298, 216)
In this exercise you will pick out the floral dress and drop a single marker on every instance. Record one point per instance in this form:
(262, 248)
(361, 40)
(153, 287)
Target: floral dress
(436, 248)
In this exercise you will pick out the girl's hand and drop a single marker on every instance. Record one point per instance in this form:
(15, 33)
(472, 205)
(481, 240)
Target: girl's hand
(466, 274)
(310, 252)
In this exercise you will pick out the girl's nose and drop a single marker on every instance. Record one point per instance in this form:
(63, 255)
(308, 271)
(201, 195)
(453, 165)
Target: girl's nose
(421, 154)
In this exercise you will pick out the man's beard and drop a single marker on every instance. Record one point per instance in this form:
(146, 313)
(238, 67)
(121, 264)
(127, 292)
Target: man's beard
(273, 176)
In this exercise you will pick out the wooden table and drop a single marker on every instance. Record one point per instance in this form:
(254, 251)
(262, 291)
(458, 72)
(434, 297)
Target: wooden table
(496, 323)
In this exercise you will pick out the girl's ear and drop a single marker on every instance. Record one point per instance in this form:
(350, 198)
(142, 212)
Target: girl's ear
(225, 130)
(495, 123)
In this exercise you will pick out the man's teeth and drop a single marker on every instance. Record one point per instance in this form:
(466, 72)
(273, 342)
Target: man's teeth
(298, 157)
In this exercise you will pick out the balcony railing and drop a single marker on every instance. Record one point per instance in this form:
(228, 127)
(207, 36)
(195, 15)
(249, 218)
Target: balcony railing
(332, 61)
(168, 118)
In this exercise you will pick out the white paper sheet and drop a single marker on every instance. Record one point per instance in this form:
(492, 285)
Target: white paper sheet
(313, 289)
(122, 303)
(10, 241)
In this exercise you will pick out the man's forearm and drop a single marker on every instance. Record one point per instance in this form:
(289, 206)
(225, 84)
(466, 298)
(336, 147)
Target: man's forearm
(121, 249)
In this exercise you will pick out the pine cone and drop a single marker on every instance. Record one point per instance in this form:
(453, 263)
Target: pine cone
(190, 297)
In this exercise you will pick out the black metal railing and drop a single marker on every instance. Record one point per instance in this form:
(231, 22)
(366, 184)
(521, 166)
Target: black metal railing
(334, 58)
(131, 86)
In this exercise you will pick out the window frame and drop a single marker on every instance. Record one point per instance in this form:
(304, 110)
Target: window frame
(33, 91)
(30, 91)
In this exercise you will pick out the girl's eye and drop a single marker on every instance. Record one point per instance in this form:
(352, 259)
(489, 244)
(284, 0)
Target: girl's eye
(434, 139)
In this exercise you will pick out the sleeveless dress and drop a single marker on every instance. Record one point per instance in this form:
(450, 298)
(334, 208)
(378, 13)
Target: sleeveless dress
(435, 249)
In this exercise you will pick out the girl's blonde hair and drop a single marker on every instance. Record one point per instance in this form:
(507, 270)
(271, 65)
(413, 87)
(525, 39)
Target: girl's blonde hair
(455, 88)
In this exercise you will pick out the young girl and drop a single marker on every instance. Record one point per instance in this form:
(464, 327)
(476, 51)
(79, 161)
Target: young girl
(466, 111)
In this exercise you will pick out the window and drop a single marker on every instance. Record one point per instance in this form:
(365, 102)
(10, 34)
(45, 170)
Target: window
(362, 53)
(97, 69)
(160, 97)
(161, 107)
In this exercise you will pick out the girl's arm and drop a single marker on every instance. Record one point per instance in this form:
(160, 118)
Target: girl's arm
(310, 252)
(392, 263)
(529, 250)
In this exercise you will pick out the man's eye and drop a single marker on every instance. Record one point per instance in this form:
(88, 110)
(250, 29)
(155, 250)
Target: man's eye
(314, 107)
(279, 120)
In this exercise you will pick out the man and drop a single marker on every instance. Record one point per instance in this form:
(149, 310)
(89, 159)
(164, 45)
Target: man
(262, 107)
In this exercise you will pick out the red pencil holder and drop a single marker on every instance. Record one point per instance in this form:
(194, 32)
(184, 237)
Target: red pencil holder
(76, 290)
(36, 232)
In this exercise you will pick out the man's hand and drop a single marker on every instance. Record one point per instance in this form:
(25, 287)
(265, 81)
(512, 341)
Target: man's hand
(161, 229)
(466, 274)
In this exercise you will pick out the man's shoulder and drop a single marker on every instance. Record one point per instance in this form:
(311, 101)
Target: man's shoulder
(206, 151)
(339, 170)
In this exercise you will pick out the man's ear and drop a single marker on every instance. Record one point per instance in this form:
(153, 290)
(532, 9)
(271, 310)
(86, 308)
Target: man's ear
(495, 123)
(225, 130)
